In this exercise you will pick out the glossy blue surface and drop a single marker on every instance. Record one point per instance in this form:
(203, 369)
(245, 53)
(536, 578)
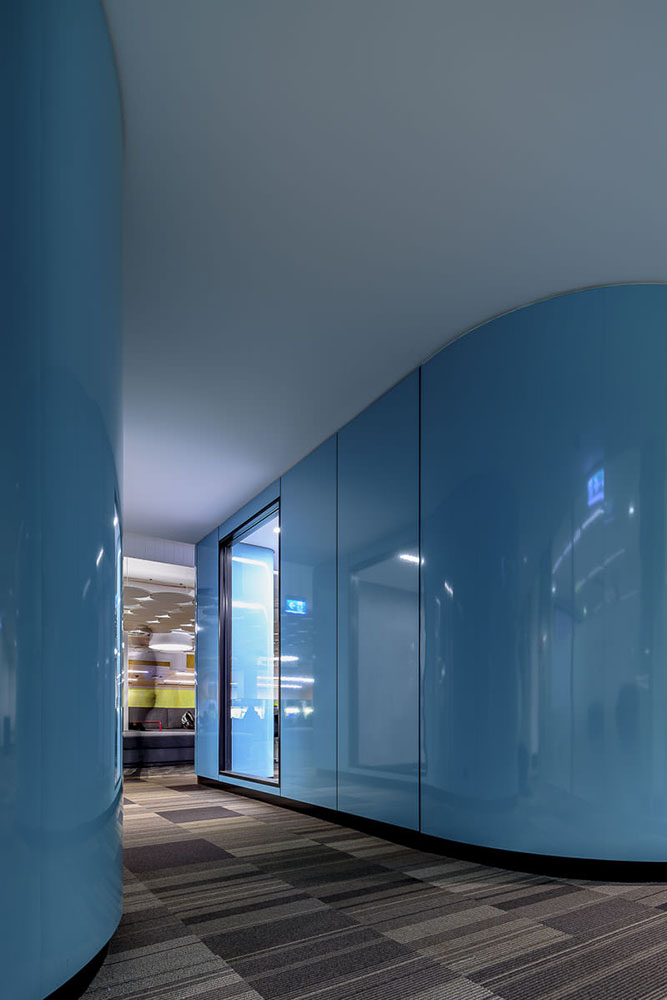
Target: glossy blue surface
(543, 539)
(206, 657)
(378, 611)
(543, 554)
(60, 832)
(308, 641)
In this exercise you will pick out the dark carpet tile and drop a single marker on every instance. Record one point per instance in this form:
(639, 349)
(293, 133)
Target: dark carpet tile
(264, 907)
(197, 814)
(539, 897)
(138, 933)
(362, 958)
(598, 916)
(299, 952)
(153, 857)
(276, 933)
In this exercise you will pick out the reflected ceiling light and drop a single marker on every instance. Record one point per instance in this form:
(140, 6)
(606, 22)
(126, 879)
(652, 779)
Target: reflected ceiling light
(449, 589)
(631, 509)
(276, 531)
(303, 680)
(171, 642)
(99, 557)
(288, 659)
(409, 557)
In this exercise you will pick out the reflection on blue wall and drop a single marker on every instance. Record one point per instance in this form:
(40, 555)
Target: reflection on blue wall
(308, 628)
(543, 586)
(543, 565)
(60, 812)
(378, 610)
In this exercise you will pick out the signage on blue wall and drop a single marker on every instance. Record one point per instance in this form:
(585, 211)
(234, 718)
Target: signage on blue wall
(295, 607)
(596, 488)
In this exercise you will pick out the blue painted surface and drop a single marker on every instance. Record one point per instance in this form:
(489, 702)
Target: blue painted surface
(543, 568)
(60, 822)
(206, 658)
(308, 641)
(543, 539)
(378, 620)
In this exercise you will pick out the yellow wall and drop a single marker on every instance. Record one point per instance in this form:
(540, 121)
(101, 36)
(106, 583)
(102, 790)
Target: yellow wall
(156, 697)
(147, 694)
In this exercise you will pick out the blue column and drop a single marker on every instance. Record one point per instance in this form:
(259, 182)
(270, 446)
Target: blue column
(60, 812)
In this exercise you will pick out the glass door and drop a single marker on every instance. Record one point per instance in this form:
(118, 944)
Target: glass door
(250, 649)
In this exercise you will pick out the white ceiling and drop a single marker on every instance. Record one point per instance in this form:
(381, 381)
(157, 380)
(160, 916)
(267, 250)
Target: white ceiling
(320, 193)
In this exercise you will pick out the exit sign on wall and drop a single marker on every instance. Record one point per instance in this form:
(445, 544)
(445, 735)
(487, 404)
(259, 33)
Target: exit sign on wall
(295, 607)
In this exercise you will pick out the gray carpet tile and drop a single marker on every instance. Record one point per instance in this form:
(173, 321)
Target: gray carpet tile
(229, 897)
(197, 815)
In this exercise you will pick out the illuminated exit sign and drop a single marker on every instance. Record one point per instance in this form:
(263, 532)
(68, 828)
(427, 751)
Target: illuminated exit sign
(295, 607)
(596, 488)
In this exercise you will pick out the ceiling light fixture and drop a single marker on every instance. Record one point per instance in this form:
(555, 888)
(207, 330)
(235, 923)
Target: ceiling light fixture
(171, 642)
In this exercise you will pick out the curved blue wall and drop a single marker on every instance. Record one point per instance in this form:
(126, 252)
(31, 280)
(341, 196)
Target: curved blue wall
(544, 457)
(60, 811)
(525, 709)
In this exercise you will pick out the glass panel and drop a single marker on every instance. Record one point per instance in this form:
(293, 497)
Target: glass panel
(255, 651)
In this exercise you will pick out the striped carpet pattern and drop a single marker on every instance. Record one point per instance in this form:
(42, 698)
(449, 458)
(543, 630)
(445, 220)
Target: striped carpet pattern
(228, 897)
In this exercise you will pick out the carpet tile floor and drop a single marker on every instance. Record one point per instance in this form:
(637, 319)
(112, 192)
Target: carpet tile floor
(228, 897)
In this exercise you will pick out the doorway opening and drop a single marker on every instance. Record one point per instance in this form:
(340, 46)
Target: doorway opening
(250, 649)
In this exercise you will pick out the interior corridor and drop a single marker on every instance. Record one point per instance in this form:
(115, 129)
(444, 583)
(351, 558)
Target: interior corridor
(227, 896)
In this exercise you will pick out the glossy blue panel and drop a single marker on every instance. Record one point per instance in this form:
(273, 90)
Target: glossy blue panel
(308, 640)
(543, 540)
(378, 580)
(60, 836)
(206, 658)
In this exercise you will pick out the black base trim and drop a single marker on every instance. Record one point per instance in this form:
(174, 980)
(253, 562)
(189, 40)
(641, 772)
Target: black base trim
(591, 869)
(79, 983)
